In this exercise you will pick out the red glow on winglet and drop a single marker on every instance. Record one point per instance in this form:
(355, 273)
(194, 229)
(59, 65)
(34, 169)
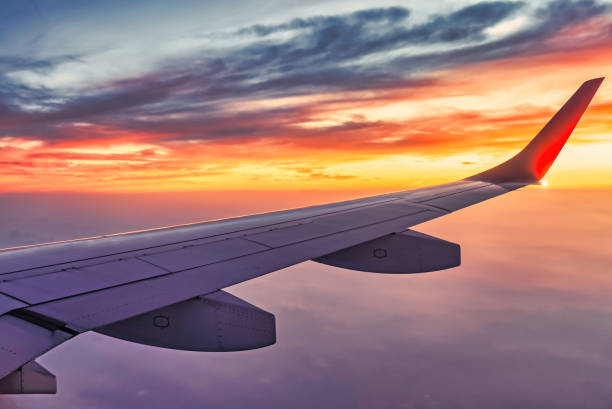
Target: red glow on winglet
(532, 163)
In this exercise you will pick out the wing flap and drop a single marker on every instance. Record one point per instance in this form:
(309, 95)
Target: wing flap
(9, 303)
(22, 341)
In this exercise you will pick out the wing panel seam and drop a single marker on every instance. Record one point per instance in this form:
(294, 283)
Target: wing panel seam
(15, 298)
(150, 263)
(453, 193)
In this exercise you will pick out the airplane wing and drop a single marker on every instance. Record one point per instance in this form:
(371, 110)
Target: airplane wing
(164, 286)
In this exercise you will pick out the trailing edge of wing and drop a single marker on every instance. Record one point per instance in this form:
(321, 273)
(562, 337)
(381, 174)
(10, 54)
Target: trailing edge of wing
(531, 164)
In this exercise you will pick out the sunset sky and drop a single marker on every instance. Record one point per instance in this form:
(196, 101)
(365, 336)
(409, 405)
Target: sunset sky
(190, 95)
(245, 106)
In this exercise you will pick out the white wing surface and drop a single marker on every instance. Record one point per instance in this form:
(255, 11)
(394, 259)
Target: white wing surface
(146, 286)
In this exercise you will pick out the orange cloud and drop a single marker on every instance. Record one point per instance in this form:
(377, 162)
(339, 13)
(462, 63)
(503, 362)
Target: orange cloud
(390, 138)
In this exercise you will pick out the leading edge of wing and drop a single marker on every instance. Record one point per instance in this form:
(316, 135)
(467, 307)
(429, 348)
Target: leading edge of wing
(528, 166)
(531, 164)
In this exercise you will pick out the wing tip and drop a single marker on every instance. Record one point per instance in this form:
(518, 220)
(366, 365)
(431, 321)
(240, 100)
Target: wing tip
(595, 83)
(598, 80)
(531, 164)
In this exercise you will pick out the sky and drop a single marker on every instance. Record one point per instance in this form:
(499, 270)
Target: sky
(119, 116)
(113, 96)
(524, 322)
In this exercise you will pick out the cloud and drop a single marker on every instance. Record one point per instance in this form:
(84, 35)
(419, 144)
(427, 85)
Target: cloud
(18, 143)
(191, 98)
(328, 41)
(378, 15)
(549, 20)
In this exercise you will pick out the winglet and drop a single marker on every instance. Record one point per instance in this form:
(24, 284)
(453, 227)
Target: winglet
(532, 163)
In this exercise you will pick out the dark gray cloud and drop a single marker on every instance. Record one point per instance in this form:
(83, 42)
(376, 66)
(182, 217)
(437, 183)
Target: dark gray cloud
(14, 94)
(550, 20)
(380, 15)
(12, 63)
(329, 41)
